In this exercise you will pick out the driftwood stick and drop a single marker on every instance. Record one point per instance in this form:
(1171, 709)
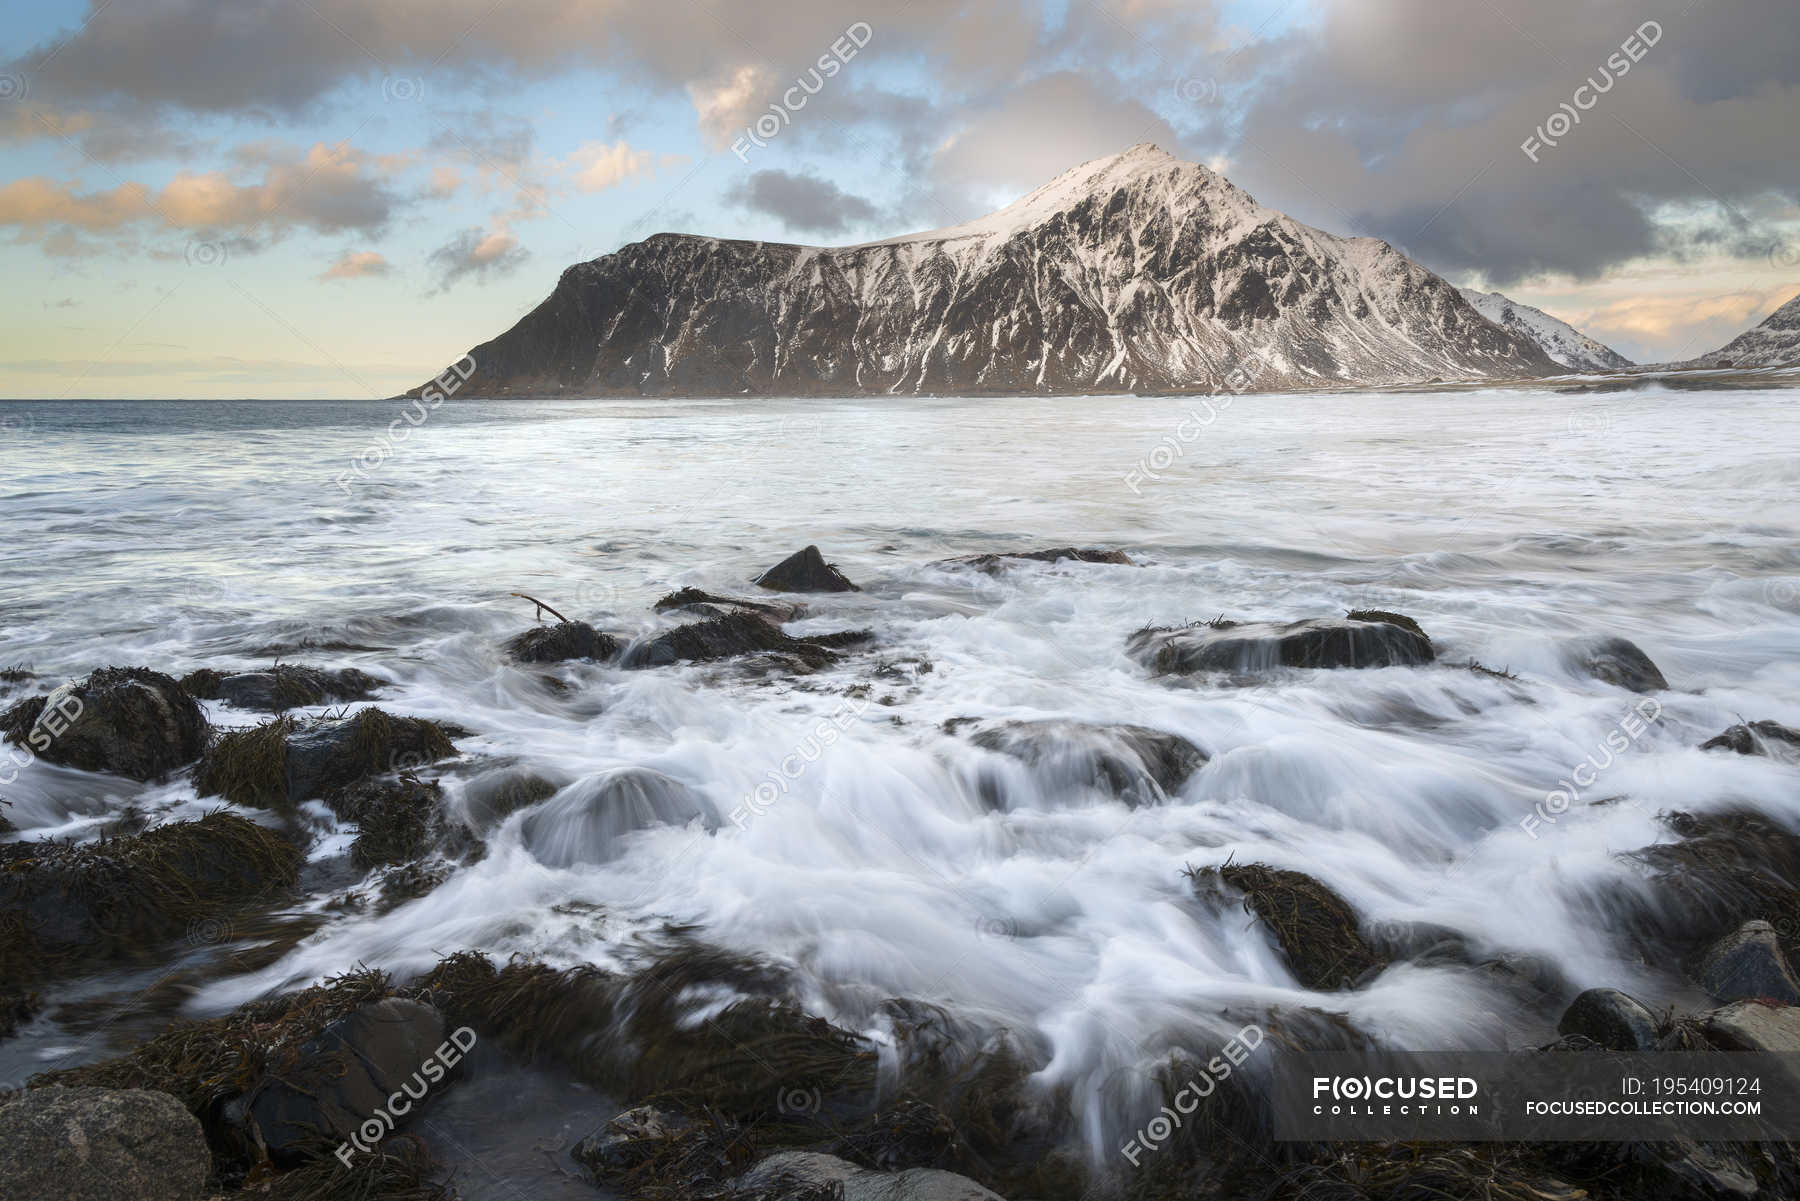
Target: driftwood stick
(542, 608)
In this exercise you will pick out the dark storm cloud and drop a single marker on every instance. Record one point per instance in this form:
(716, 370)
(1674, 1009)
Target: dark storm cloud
(1407, 117)
(1399, 118)
(803, 203)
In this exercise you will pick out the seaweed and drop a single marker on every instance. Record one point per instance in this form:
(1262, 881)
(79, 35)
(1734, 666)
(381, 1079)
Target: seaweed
(63, 904)
(249, 766)
(1315, 928)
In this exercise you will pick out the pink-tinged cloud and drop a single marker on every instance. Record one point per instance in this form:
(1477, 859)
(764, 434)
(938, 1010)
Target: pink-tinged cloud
(360, 264)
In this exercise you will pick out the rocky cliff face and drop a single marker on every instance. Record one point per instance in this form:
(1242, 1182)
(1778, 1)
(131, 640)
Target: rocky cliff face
(1137, 272)
(1558, 339)
(1774, 343)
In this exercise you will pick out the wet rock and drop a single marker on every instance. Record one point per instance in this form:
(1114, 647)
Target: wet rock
(62, 905)
(396, 819)
(1727, 868)
(282, 687)
(998, 561)
(1748, 965)
(129, 721)
(1261, 646)
(634, 1137)
(562, 642)
(286, 761)
(1315, 928)
(726, 637)
(1617, 661)
(586, 822)
(345, 1076)
(100, 1144)
(1134, 763)
(812, 1174)
(493, 796)
(1612, 1019)
(1754, 1026)
(1769, 738)
(707, 604)
(805, 571)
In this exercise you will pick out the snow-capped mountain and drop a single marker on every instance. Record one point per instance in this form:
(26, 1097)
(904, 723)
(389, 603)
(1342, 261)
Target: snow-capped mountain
(1137, 272)
(1774, 343)
(1558, 339)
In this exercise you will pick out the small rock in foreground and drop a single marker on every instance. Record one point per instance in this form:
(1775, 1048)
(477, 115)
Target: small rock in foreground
(1611, 1018)
(101, 1144)
(805, 571)
(1748, 965)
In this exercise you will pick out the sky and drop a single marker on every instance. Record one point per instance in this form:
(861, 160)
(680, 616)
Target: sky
(336, 198)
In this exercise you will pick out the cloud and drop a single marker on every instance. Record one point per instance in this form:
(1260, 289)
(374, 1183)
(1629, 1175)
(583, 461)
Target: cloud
(804, 203)
(1405, 118)
(477, 254)
(325, 189)
(1037, 131)
(359, 264)
(597, 166)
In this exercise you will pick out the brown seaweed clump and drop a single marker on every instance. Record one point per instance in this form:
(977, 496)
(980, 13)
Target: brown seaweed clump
(64, 904)
(1315, 928)
(285, 761)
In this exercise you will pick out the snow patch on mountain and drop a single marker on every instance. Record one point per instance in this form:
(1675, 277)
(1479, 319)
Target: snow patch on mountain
(1558, 339)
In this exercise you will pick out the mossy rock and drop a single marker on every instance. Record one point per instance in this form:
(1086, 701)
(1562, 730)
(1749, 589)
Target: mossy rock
(128, 721)
(282, 687)
(63, 904)
(1315, 928)
(285, 761)
(561, 642)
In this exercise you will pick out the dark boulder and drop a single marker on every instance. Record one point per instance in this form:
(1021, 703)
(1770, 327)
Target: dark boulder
(998, 561)
(1616, 661)
(585, 822)
(708, 604)
(1612, 1019)
(1261, 646)
(563, 641)
(805, 571)
(286, 761)
(1315, 928)
(1134, 763)
(64, 904)
(129, 721)
(726, 637)
(1748, 965)
(282, 687)
(101, 1144)
(1758, 738)
(348, 1074)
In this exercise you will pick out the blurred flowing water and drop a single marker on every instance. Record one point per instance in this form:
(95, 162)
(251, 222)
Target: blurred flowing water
(179, 535)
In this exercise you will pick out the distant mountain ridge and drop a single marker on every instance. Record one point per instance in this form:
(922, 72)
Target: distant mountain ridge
(1136, 272)
(1774, 343)
(1558, 339)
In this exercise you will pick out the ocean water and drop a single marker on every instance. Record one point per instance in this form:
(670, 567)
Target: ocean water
(900, 860)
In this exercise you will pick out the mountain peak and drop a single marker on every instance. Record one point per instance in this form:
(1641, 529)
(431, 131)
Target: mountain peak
(1136, 166)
